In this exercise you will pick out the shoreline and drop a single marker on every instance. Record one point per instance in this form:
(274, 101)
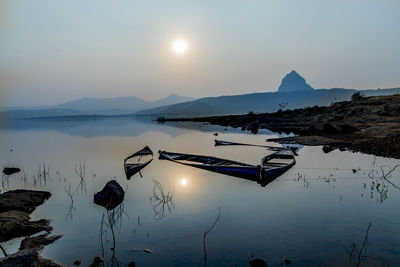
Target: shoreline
(368, 125)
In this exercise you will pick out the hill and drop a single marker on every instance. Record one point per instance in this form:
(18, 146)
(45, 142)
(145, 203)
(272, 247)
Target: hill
(92, 106)
(293, 92)
(261, 102)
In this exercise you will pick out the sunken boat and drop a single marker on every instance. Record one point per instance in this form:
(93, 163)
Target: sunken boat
(133, 164)
(271, 167)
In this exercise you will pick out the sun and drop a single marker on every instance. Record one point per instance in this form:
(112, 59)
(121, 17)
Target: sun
(180, 46)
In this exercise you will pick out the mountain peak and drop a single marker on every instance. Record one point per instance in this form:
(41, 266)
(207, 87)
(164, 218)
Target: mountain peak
(294, 82)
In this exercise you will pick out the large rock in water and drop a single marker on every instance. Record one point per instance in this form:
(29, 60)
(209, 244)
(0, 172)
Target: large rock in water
(294, 82)
(111, 196)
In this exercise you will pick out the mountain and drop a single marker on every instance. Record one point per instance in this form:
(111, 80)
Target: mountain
(119, 105)
(170, 100)
(86, 104)
(261, 102)
(294, 92)
(23, 114)
(92, 106)
(294, 82)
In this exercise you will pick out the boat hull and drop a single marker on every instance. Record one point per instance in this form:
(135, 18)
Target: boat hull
(257, 174)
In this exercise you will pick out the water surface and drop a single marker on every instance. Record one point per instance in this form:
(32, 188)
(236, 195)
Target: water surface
(308, 215)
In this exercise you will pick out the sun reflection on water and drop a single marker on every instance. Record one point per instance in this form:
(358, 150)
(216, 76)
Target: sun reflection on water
(183, 181)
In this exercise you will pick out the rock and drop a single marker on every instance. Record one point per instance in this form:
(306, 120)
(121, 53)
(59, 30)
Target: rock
(331, 128)
(286, 260)
(16, 223)
(38, 241)
(22, 200)
(257, 263)
(148, 251)
(253, 128)
(111, 196)
(15, 207)
(216, 134)
(27, 258)
(12, 170)
(78, 262)
(294, 82)
(327, 148)
(347, 128)
(97, 261)
(244, 127)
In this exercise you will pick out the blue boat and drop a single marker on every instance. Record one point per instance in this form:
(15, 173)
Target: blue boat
(271, 166)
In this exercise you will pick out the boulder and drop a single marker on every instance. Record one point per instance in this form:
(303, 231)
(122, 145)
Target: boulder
(253, 128)
(327, 148)
(257, 263)
(96, 262)
(111, 196)
(12, 170)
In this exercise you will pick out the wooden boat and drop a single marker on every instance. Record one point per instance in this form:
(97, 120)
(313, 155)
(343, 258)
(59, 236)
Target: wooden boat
(133, 168)
(271, 166)
(294, 148)
(227, 143)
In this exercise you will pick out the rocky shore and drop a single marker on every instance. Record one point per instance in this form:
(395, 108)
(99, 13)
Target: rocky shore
(365, 124)
(15, 209)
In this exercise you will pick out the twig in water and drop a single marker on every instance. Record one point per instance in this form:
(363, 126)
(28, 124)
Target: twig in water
(161, 201)
(208, 230)
(356, 255)
(71, 206)
(81, 172)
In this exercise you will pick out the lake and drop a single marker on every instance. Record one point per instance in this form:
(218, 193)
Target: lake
(310, 214)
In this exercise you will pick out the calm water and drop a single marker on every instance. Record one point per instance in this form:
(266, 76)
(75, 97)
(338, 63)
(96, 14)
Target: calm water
(309, 214)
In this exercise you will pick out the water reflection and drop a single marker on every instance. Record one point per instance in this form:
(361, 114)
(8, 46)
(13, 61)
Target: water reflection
(111, 222)
(161, 200)
(183, 181)
(321, 194)
(71, 207)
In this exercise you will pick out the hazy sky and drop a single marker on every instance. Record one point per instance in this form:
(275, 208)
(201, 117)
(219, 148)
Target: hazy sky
(54, 51)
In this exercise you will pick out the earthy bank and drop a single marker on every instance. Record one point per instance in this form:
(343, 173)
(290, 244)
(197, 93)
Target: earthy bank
(366, 124)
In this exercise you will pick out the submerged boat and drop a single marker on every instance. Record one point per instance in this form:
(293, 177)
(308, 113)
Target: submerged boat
(294, 148)
(227, 143)
(133, 168)
(271, 166)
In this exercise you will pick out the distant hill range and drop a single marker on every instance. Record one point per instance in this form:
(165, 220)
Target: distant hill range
(293, 92)
(93, 106)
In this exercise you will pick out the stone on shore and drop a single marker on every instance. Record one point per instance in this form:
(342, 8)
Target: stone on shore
(22, 200)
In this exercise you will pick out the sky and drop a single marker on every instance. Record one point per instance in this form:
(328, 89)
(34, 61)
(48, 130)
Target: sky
(55, 51)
